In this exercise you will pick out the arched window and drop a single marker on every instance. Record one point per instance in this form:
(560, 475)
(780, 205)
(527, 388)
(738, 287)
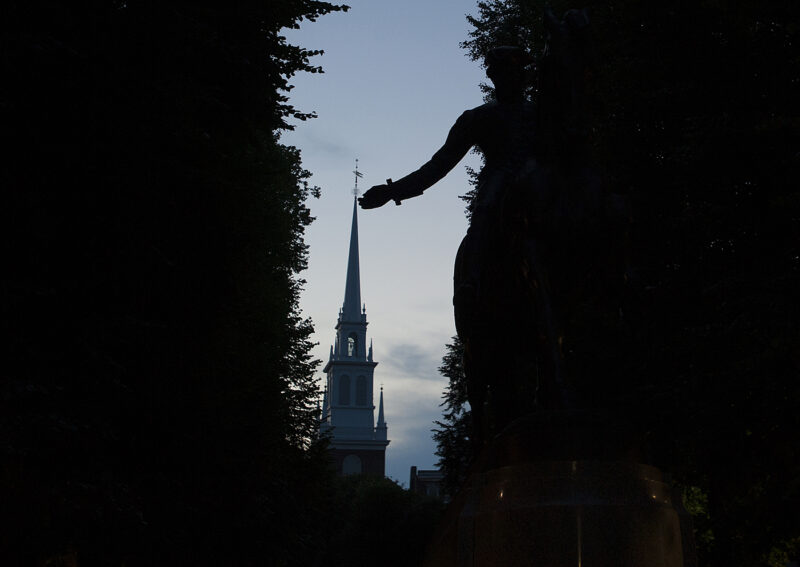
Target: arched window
(361, 391)
(351, 465)
(352, 344)
(344, 391)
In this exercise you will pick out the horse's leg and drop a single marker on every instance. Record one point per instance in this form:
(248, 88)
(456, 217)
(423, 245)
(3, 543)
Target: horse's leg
(554, 387)
(464, 306)
(476, 394)
(464, 291)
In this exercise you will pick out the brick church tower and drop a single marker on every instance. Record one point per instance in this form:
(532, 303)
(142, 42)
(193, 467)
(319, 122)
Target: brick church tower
(357, 444)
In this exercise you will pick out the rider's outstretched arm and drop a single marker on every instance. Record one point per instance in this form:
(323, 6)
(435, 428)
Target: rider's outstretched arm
(459, 141)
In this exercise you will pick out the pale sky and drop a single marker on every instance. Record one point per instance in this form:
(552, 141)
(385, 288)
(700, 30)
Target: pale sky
(395, 81)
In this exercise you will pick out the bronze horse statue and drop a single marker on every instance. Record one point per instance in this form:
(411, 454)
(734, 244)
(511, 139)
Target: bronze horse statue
(531, 249)
(542, 251)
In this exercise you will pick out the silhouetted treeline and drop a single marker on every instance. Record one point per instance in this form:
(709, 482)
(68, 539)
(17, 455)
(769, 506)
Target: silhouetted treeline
(157, 402)
(697, 122)
(453, 434)
(375, 521)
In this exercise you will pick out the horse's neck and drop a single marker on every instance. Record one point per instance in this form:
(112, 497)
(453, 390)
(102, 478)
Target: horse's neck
(562, 115)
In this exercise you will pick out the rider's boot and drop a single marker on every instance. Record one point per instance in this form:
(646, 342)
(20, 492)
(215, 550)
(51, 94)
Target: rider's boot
(465, 301)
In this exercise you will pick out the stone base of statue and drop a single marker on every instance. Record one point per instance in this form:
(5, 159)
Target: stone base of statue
(527, 504)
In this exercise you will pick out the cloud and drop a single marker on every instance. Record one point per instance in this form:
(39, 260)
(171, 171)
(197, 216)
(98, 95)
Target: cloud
(412, 403)
(318, 143)
(412, 445)
(414, 360)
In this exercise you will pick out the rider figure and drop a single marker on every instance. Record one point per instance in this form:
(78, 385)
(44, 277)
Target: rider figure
(504, 130)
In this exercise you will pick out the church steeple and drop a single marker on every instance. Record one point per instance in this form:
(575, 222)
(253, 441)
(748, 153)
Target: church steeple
(348, 414)
(351, 310)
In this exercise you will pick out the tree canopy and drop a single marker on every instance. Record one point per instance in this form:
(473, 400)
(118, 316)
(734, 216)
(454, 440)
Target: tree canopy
(159, 406)
(453, 434)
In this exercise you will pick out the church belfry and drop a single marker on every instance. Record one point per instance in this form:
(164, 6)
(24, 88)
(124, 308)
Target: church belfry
(348, 411)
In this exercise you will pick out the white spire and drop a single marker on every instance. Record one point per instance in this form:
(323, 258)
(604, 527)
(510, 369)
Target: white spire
(351, 310)
(380, 428)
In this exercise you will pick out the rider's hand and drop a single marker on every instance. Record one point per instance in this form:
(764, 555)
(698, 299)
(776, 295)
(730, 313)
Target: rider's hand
(375, 197)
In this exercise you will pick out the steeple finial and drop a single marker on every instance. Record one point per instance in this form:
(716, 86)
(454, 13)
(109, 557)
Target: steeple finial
(357, 174)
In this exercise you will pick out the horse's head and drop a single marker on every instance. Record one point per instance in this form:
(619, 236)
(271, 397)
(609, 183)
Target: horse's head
(568, 42)
(566, 61)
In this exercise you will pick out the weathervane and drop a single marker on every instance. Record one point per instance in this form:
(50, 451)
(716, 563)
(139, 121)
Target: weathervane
(358, 174)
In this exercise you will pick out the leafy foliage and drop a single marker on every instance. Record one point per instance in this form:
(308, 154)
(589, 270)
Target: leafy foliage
(697, 122)
(157, 406)
(453, 434)
(376, 519)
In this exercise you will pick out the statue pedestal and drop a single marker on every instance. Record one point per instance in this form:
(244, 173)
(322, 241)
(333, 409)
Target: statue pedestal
(578, 513)
(525, 503)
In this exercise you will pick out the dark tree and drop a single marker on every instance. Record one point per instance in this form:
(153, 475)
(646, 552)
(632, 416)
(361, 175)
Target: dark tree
(374, 517)
(696, 121)
(454, 445)
(157, 402)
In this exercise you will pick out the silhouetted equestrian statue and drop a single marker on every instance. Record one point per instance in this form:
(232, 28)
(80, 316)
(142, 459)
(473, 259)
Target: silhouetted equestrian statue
(532, 250)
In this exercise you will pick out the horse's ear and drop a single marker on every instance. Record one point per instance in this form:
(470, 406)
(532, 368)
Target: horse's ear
(549, 19)
(586, 15)
(577, 20)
